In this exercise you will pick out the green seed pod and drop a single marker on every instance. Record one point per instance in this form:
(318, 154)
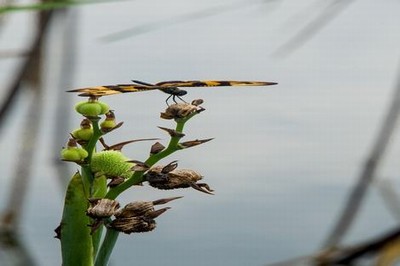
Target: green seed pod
(111, 164)
(83, 133)
(71, 154)
(108, 124)
(104, 107)
(83, 153)
(91, 108)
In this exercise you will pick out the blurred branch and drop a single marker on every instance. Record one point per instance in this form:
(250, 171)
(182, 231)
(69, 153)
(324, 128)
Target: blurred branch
(192, 16)
(390, 197)
(29, 74)
(13, 53)
(347, 256)
(13, 252)
(367, 174)
(28, 67)
(312, 28)
(50, 5)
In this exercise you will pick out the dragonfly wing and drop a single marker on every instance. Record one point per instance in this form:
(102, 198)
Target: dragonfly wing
(212, 83)
(110, 89)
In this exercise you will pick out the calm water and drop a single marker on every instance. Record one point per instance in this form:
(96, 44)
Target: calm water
(284, 158)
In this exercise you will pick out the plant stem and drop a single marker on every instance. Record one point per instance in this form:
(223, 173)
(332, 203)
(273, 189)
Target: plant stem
(106, 248)
(87, 175)
(137, 177)
(91, 146)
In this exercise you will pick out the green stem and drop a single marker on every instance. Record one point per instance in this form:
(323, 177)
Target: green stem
(87, 174)
(137, 177)
(97, 133)
(106, 248)
(87, 179)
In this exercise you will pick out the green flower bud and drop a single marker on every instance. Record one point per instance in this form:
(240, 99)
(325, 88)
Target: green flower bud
(111, 164)
(104, 107)
(73, 153)
(83, 133)
(83, 153)
(91, 108)
(107, 124)
(70, 154)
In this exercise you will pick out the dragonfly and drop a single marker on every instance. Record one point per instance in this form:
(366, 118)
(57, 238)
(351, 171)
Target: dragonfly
(173, 88)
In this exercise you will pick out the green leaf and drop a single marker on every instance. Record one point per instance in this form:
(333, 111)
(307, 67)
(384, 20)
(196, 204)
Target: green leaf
(76, 241)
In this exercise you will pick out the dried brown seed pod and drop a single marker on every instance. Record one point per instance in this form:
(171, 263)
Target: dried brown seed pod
(102, 208)
(167, 177)
(135, 209)
(141, 208)
(136, 224)
(133, 225)
(180, 110)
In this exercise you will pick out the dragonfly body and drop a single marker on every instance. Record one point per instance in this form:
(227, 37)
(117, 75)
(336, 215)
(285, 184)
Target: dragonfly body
(172, 91)
(169, 87)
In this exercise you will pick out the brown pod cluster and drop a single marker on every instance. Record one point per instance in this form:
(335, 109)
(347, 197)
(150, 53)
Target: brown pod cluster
(137, 217)
(168, 177)
(181, 110)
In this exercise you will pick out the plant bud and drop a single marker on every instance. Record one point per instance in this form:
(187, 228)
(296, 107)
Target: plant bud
(109, 123)
(85, 132)
(73, 153)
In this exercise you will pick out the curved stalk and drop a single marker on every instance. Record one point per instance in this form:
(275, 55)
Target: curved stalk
(137, 177)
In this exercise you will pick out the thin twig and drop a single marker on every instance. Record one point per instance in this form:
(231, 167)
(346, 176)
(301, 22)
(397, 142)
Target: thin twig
(32, 73)
(367, 174)
(192, 16)
(390, 197)
(312, 28)
(27, 67)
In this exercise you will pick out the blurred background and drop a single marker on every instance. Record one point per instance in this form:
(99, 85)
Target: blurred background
(286, 160)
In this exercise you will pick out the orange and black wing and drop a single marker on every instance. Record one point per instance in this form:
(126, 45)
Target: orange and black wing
(212, 83)
(111, 89)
